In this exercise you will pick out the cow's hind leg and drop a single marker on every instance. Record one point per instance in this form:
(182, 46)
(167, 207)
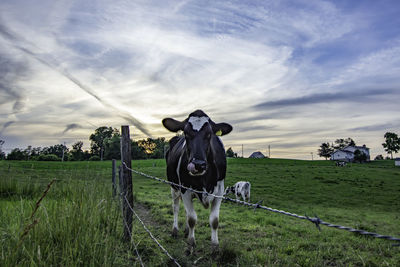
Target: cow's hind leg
(175, 206)
(191, 217)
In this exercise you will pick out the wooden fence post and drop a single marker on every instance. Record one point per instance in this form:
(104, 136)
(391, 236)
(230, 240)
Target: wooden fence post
(127, 197)
(114, 169)
(120, 181)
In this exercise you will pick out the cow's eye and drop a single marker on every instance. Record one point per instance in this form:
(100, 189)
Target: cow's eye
(189, 134)
(208, 136)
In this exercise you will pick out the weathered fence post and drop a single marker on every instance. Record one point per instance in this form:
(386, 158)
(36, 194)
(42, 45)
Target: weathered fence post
(127, 194)
(120, 181)
(114, 169)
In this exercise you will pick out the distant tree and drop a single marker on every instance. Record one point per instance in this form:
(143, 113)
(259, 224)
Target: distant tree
(342, 143)
(2, 154)
(137, 151)
(112, 147)
(48, 157)
(392, 143)
(28, 152)
(148, 146)
(94, 158)
(16, 154)
(378, 157)
(97, 140)
(32, 153)
(230, 153)
(161, 148)
(35, 152)
(57, 150)
(151, 148)
(86, 155)
(325, 150)
(359, 156)
(76, 152)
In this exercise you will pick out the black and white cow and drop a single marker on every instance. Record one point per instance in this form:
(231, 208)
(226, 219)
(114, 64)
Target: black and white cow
(341, 163)
(240, 189)
(197, 160)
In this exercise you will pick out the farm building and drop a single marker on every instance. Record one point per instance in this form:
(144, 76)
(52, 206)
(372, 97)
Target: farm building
(347, 153)
(257, 155)
(397, 162)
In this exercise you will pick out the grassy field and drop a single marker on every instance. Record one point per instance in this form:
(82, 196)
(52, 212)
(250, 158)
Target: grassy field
(79, 223)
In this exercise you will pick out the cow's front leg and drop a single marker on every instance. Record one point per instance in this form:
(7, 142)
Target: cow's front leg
(175, 206)
(214, 221)
(243, 196)
(214, 215)
(191, 216)
(237, 195)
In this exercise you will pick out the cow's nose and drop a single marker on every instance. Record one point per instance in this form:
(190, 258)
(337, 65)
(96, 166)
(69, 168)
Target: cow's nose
(200, 165)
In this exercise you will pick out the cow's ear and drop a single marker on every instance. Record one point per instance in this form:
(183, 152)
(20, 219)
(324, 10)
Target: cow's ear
(222, 128)
(173, 125)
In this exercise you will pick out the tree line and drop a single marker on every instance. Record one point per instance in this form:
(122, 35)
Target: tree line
(104, 145)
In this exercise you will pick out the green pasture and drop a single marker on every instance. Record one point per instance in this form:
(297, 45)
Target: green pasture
(79, 223)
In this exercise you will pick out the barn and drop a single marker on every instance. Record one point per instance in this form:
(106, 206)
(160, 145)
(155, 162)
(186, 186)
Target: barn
(257, 155)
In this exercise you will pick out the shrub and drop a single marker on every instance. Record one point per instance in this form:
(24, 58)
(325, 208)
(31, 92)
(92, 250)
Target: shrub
(94, 158)
(49, 157)
(359, 156)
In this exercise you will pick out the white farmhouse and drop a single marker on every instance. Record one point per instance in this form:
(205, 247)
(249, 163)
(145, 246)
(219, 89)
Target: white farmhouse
(347, 153)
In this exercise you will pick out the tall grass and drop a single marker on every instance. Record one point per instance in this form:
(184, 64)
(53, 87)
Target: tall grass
(78, 222)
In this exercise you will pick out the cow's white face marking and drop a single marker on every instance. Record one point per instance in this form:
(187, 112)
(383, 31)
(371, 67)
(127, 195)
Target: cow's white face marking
(198, 122)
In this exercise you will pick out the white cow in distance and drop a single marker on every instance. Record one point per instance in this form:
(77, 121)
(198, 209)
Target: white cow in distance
(240, 189)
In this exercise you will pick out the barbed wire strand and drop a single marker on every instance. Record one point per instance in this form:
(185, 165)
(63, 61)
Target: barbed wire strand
(130, 235)
(151, 234)
(317, 221)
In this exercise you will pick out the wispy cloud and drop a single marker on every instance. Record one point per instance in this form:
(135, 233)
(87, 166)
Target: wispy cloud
(71, 127)
(349, 96)
(11, 72)
(5, 125)
(53, 64)
(277, 70)
(376, 127)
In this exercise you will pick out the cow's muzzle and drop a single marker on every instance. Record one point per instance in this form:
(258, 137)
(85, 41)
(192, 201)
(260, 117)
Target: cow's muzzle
(197, 167)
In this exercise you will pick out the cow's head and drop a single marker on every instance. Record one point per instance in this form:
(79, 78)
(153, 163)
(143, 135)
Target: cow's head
(229, 189)
(199, 131)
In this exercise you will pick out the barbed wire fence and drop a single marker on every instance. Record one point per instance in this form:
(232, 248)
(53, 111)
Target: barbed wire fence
(126, 196)
(124, 192)
(315, 220)
(125, 201)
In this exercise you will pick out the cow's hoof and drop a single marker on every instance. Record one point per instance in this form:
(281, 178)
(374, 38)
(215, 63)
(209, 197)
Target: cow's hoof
(214, 250)
(190, 247)
(191, 242)
(186, 232)
(189, 251)
(174, 233)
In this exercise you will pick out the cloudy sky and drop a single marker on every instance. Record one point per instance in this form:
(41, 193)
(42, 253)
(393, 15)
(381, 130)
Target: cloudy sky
(285, 74)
